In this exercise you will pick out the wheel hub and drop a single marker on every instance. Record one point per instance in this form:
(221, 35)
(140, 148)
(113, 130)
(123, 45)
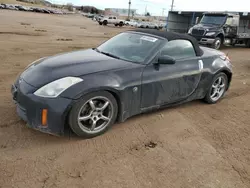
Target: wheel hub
(95, 115)
(218, 88)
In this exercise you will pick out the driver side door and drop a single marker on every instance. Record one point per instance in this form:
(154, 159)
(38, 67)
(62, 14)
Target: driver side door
(169, 83)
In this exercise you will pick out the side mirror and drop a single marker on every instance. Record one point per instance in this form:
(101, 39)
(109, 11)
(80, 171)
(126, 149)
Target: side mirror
(165, 59)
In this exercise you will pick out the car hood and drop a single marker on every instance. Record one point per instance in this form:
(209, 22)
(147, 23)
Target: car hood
(77, 63)
(208, 27)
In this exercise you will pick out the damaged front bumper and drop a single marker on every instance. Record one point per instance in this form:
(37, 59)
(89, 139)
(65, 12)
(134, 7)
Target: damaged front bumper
(29, 108)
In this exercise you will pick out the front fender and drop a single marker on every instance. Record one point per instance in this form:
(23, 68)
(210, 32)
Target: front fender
(127, 92)
(220, 33)
(92, 83)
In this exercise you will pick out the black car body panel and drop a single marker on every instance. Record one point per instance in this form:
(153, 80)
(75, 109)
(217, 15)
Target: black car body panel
(78, 63)
(136, 87)
(29, 108)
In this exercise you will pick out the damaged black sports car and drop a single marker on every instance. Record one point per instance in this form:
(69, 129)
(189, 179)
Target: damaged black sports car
(131, 73)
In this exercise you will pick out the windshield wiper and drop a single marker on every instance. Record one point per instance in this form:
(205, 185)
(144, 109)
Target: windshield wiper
(209, 23)
(110, 55)
(106, 53)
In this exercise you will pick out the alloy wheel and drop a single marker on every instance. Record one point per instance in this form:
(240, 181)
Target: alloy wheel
(95, 115)
(217, 44)
(218, 88)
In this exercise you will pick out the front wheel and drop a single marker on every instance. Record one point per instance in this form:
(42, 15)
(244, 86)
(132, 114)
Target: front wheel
(105, 22)
(248, 43)
(94, 114)
(217, 89)
(217, 43)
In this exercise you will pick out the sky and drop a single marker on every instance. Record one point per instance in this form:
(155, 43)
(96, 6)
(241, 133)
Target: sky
(155, 7)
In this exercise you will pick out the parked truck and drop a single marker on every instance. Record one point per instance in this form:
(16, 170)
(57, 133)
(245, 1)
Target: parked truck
(217, 29)
(111, 20)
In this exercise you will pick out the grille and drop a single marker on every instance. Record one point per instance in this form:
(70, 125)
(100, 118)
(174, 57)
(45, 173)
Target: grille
(199, 32)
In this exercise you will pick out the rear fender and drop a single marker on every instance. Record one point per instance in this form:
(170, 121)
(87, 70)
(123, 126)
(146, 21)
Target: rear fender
(218, 66)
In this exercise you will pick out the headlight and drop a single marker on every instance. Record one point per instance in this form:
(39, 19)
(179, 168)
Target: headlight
(55, 88)
(210, 33)
(190, 30)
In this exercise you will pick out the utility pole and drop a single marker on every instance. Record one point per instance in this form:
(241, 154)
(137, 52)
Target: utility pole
(163, 10)
(172, 6)
(129, 5)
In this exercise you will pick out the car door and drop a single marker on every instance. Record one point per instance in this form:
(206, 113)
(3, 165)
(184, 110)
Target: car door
(110, 21)
(170, 83)
(114, 20)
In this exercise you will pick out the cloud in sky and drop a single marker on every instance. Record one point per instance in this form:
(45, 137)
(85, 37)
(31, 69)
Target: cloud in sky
(155, 6)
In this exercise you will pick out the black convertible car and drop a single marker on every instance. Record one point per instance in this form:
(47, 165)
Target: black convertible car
(131, 73)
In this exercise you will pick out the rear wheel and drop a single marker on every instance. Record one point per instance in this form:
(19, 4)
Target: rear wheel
(94, 114)
(217, 88)
(120, 24)
(100, 23)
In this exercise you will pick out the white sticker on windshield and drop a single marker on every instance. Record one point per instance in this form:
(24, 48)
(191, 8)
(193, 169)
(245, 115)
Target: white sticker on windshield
(151, 39)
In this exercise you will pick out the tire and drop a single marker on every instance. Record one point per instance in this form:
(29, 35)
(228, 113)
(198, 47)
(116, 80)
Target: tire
(105, 22)
(120, 24)
(217, 43)
(100, 23)
(209, 96)
(116, 25)
(248, 43)
(79, 109)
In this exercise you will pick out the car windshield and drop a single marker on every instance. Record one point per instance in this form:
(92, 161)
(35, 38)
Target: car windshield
(213, 19)
(130, 47)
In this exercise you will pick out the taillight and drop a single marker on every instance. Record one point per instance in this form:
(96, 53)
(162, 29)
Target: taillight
(225, 57)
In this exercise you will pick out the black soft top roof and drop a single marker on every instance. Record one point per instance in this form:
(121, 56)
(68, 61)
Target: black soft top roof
(173, 36)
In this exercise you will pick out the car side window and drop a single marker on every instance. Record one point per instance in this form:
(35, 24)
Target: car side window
(114, 18)
(110, 17)
(179, 49)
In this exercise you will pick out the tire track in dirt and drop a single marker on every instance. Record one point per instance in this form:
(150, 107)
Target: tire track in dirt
(227, 136)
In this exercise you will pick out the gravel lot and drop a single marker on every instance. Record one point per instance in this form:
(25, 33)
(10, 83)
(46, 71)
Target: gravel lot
(192, 145)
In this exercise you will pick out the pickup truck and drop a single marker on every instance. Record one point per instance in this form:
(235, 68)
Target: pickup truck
(111, 20)
(217, 29)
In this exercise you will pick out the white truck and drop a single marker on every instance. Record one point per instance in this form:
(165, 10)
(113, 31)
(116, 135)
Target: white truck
(111, 20)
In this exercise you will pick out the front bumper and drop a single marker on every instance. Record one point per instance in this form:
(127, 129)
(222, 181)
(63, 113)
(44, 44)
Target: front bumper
(208, 41)
(203, 39)
(29, 108)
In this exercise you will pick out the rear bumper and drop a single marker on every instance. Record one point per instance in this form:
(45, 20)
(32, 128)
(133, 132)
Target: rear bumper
(29, 108)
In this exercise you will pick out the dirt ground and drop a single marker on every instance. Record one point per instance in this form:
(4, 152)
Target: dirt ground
(192, 145)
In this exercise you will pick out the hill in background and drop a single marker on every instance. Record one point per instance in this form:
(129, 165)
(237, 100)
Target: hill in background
(87, 9)
(40, 2)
